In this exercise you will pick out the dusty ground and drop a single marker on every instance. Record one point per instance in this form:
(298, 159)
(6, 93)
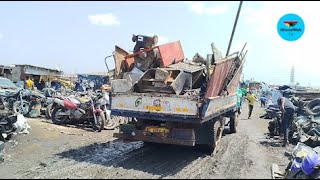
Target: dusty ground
(52, 151)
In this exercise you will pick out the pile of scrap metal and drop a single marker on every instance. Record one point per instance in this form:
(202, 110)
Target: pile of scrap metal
(11, 124)
(306, 127)
(306, 123)
(163, 69)
(304, 158)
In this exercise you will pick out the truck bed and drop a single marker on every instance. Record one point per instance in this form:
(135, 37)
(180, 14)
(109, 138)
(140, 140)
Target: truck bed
(170, 107)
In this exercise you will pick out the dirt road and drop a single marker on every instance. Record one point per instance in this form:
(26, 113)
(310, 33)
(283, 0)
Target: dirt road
(52, 151)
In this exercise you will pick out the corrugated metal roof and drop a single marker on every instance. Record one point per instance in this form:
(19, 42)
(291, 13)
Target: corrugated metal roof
(40, 71)
(28, 65)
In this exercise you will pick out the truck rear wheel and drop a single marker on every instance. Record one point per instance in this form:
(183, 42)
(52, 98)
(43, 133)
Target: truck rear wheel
(233, 122)
(215, 134)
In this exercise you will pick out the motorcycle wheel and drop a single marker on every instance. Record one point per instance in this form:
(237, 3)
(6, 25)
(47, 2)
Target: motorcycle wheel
(100, 122)
(55, 114)
(49, 111)
(21, 107)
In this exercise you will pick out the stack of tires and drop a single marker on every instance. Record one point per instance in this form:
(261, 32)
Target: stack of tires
(313, 107)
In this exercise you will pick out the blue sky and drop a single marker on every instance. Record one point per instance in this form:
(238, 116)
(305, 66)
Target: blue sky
(76, 36)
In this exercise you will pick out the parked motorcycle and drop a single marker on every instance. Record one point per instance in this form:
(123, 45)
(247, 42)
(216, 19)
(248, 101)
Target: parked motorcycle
(81, 110)
(18, 102)
(112, 121)
(304, 164)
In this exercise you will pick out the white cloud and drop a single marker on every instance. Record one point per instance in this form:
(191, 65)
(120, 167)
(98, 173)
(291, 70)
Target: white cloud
(1, 36)
(202, 8)
(104, 19)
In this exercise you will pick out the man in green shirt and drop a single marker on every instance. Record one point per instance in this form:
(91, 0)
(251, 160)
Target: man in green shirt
(239, 100)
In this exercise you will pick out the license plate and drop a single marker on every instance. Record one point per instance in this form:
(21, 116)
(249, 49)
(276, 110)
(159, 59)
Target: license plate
(157, 130)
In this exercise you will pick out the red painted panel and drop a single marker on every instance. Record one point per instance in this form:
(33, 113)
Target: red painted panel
(217, 78)
(169, 52)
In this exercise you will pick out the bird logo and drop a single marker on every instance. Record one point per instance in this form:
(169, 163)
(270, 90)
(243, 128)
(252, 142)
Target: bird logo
(290, 23)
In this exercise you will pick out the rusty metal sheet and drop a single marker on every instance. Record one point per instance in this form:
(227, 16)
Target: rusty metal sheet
(129, 63)
(119, 57)
(218, 76)
(232, 88)
(170, 52)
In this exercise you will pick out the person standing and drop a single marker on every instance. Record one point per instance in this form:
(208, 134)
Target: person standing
(29, 84)
(239, 100)
(251, 98)
(287, 109)
(263, 100)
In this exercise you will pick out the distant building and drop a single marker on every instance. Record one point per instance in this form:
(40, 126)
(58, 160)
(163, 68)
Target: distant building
(19, 72)
(254, 85)
(6, 71)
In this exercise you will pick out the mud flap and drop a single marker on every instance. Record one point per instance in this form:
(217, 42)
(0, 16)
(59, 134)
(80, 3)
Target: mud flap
(276, 173)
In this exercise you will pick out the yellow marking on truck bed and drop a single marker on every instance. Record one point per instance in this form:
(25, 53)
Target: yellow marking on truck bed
(154, 108)
(182, 110)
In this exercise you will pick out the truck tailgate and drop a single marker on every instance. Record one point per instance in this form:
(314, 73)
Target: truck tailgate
(162, 105)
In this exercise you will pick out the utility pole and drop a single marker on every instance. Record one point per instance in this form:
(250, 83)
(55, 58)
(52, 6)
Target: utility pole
(234, 28)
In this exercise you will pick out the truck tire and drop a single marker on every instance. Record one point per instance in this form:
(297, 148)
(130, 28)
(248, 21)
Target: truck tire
(215, 134)
(233, 122)
(311, 107)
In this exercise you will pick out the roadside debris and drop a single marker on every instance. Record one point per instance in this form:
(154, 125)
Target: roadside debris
(21, 125)
(11, 125)
(304, 160)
